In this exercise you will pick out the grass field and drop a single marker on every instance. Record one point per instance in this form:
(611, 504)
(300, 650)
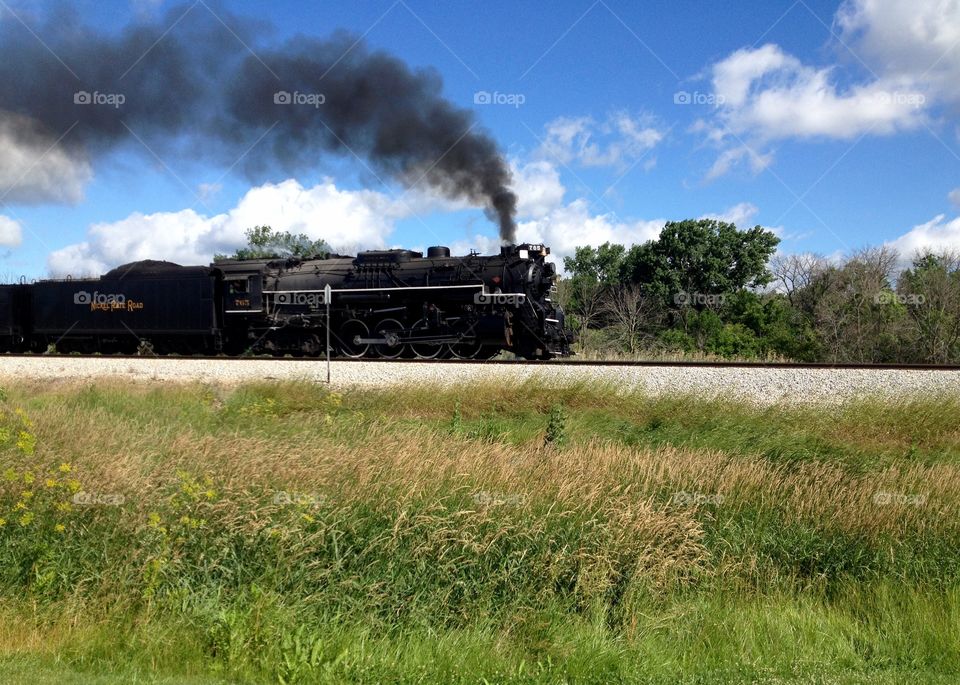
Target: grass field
(279, 533)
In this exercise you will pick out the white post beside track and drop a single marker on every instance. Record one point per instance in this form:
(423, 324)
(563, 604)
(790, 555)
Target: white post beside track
(328, 295)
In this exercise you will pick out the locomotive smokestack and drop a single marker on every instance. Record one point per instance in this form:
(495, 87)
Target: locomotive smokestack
(505, 203)
(198, 87)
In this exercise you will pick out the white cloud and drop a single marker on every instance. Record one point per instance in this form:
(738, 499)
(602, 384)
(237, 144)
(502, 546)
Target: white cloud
(914, 39)
(769, 95)
(908, 56)
(617, 142)
(33, 169)
(734, 77)
(954, 196)
(739, 214)
(573, 225)
(936, 235)
(733, 156)
(346, 219)
(538, 186)
(11, 235)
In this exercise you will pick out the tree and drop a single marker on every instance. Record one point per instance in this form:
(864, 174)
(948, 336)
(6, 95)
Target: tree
(586, 304)
(265, 243)
(779, 329)
(856, 313)
(702, 256)
(630, 314)
(600, 265)
(930, 291)
(796, 272)
(593, 271)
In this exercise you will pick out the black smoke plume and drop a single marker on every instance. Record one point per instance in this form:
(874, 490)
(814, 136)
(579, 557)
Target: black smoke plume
(197, 88)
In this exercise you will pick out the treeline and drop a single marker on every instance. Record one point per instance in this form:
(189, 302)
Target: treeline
(705, 287)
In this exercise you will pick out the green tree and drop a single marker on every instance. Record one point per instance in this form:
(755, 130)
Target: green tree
(779, 329)
(856, 314)
(930, 291)
(593, 272)
(598, 265)
(265, 243)
(702, 256)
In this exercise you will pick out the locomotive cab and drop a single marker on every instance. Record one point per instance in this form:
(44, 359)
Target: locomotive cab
(242, 294)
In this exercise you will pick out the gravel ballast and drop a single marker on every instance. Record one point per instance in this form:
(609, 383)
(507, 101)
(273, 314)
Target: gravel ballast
(762, 385)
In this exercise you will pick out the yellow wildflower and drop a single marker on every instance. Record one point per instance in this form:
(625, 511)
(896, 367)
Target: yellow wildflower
(3, 522)
(65, 468)
(27, 494)
(19, 506)
(59, 527)
(28, 478)
(26, 519)
(51, 482)
(26, 442)
(10, 475)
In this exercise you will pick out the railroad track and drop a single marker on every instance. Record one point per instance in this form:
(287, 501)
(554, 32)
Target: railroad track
(756, 382)
(502, 362)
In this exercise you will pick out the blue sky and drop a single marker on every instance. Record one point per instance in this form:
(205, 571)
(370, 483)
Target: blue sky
(833, 123)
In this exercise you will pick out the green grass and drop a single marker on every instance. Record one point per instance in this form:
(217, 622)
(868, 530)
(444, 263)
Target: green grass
(280, 533)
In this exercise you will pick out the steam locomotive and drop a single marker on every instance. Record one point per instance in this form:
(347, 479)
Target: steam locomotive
(379, 304)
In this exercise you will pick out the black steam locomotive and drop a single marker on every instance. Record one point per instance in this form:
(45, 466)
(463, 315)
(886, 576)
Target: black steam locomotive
(380, 304)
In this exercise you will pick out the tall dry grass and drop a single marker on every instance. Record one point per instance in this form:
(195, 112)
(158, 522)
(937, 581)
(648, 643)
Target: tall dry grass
(249, 512)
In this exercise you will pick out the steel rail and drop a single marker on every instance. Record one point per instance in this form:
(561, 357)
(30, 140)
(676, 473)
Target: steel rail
(517, 362)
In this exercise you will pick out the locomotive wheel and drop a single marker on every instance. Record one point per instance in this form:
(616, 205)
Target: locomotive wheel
(465, 350)
(385, 328)
(349, 332)
(424, 350)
